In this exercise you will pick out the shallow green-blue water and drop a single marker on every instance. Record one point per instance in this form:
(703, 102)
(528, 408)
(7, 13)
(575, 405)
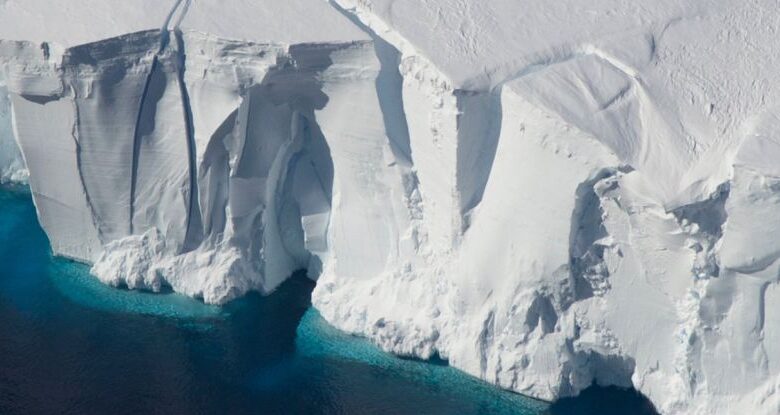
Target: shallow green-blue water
(70, 345)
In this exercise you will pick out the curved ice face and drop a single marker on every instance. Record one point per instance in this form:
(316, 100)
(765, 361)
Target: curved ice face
(227, 169)
(575, 195)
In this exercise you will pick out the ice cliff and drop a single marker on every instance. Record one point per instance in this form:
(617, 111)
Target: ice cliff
(547, 194)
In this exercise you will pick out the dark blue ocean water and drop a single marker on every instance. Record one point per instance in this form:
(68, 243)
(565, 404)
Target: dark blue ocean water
(70, 345)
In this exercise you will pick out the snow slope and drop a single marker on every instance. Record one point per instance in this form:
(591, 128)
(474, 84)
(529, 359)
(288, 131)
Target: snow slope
(546, 194)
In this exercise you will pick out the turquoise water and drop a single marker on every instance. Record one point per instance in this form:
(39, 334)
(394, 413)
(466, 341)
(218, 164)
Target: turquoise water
(70, 345)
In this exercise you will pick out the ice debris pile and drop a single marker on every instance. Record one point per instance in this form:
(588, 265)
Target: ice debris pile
(547, 194)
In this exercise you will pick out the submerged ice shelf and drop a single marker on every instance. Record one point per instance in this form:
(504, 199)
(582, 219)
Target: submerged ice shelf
(545, 194)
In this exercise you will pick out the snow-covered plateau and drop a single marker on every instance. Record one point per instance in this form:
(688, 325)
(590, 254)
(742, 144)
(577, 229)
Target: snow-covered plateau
(545, 193)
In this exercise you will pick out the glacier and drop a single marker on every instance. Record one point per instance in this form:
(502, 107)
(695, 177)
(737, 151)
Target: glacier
(546, 194)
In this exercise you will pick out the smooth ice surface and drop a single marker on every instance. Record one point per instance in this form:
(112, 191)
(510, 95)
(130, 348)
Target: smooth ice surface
(545, 194)
(291, 22)
(75, 23)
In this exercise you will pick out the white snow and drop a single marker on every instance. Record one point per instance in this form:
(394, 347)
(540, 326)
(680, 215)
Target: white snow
(69, 23)
(546, 194)
(286, 22)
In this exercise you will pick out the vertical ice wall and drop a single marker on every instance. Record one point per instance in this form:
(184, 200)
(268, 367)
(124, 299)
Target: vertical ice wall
(209, 165)
(12, 167)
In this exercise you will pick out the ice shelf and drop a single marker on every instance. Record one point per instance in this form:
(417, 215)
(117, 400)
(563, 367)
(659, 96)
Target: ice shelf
(546, 194)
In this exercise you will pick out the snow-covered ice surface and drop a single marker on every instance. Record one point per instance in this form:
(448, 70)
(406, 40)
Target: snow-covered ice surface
(546, 194)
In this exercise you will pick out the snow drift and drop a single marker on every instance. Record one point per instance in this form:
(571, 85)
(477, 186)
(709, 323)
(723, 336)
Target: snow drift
(545, 194)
